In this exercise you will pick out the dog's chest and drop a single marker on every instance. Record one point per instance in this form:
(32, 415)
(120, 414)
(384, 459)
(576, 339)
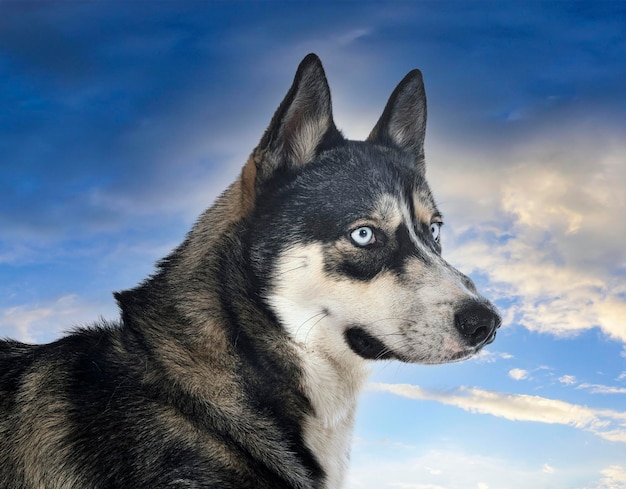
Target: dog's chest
(331, 446)
(328, 430)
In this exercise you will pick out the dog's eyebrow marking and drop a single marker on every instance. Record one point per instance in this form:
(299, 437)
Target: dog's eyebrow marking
(423, 207)
(395, 210)
(425, 214)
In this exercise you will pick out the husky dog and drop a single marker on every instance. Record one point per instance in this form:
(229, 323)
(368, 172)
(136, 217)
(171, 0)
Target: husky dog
(238, 363)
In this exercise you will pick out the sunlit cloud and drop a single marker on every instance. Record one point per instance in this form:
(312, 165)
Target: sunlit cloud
(606, 423)
(544, 225)
(613, 477)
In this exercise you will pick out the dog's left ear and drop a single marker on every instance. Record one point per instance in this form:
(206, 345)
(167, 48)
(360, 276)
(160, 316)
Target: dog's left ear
(403, 123)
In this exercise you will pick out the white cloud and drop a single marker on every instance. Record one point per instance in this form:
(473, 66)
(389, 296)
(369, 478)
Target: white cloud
(518, 374)
(548, 469)
(567, 379)
(606, 423)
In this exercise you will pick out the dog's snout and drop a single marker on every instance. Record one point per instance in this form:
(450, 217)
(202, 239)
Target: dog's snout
(468, 283)
(477, 322)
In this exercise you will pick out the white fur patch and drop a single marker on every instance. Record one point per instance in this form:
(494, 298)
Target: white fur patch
(412, 315)
(333, 375)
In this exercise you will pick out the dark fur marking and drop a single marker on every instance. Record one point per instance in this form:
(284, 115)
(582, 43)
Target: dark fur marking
(270, 384)
(366, 346)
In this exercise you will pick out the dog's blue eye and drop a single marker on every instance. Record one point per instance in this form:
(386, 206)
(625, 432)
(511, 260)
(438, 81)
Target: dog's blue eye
(435, 229)
(363, 236)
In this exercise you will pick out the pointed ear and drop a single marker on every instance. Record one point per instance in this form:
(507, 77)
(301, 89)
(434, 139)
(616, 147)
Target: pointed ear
(403, 123)
(303, 121)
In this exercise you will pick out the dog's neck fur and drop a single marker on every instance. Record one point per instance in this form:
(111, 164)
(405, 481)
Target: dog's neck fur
(332, 388)
(317, 392)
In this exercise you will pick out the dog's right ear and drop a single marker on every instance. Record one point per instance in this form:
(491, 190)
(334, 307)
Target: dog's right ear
(301, 126)
(403, 123)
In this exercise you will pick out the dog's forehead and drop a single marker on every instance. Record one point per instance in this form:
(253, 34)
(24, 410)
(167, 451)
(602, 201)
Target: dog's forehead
(360, 180)
(371, 166)
(389, 208)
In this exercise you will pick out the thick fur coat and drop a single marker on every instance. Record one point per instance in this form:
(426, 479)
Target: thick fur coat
(237, 364)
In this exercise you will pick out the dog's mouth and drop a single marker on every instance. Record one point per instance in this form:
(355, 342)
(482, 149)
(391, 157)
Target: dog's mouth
(365, 345)
(370, 348)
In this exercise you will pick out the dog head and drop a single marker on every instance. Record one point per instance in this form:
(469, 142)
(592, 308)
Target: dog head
(344, 235)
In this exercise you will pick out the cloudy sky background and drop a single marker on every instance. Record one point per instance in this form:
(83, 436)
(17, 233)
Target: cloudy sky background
(121, 121)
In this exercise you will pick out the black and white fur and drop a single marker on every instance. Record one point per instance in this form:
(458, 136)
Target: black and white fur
(237, 364)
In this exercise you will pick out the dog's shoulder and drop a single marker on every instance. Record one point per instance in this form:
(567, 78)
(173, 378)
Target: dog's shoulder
(15, 359)
(85, 359)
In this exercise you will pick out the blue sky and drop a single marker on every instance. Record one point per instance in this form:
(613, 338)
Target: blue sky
(121, 121)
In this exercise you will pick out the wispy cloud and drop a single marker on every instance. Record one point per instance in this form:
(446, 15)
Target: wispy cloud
(602, 389)
(44, 322)
(606, 423)
(488, 356)
(433, 469)
(571, 380)
(383, 467)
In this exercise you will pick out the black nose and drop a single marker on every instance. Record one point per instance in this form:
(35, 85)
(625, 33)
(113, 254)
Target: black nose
(477, 323)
